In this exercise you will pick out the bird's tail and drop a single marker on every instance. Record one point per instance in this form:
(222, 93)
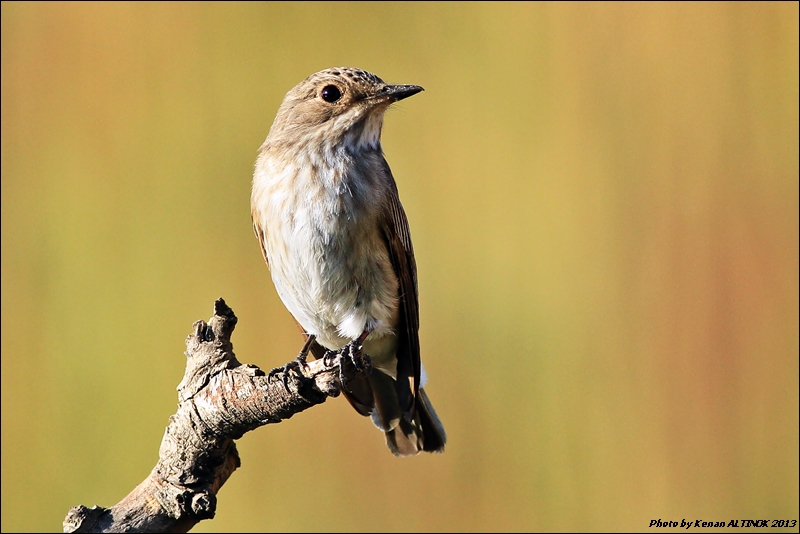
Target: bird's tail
(406, 433)
(375, 395)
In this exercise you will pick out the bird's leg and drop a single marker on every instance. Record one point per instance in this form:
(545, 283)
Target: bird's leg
(353, 352)
(295, 364)
(301, 358)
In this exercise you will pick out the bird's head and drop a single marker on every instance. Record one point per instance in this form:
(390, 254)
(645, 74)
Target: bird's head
(335, 106)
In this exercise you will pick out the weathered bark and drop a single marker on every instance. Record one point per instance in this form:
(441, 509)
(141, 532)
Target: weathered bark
(219, 401)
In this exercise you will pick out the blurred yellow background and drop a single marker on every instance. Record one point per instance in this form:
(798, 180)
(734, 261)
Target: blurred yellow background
(604, 205)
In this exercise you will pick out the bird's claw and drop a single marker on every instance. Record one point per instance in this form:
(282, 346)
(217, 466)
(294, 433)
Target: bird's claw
(352, 353)
(294, 365)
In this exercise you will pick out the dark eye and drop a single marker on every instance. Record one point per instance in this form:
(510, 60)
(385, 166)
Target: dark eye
(330, 93)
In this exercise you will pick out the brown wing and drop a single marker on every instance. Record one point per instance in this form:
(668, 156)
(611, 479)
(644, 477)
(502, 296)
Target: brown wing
(398, 243)
(260, 236)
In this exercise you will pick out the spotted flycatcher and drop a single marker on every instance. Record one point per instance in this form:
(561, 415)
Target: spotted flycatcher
(327, 214)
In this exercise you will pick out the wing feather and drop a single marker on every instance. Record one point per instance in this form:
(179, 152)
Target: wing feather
(398, 243)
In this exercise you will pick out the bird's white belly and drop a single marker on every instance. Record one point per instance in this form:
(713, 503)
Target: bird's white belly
(332, 272)
(328, 258)
(340, 297)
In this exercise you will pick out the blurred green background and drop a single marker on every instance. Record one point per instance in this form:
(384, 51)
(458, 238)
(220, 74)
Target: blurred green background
(604, 205)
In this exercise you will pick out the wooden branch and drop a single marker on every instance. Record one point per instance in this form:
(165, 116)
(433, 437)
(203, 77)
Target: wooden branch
(219, 401)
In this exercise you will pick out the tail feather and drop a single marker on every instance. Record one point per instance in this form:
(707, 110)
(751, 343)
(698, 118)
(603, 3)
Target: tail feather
(375, 394)
(434, 436)
(386, 413)
(405, 439)
(359, 394)
(406, 434)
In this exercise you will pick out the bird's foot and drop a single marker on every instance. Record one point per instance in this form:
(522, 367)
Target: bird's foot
(331, 357)
(352, 353)
(294, 365)
(355, 353)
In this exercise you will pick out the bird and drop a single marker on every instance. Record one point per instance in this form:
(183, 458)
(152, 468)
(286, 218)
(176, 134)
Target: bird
(327, 214)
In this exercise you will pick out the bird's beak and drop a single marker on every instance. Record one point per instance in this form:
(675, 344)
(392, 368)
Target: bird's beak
(398, 92)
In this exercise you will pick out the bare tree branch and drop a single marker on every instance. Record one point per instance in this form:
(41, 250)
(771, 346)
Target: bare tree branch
(219, 401)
